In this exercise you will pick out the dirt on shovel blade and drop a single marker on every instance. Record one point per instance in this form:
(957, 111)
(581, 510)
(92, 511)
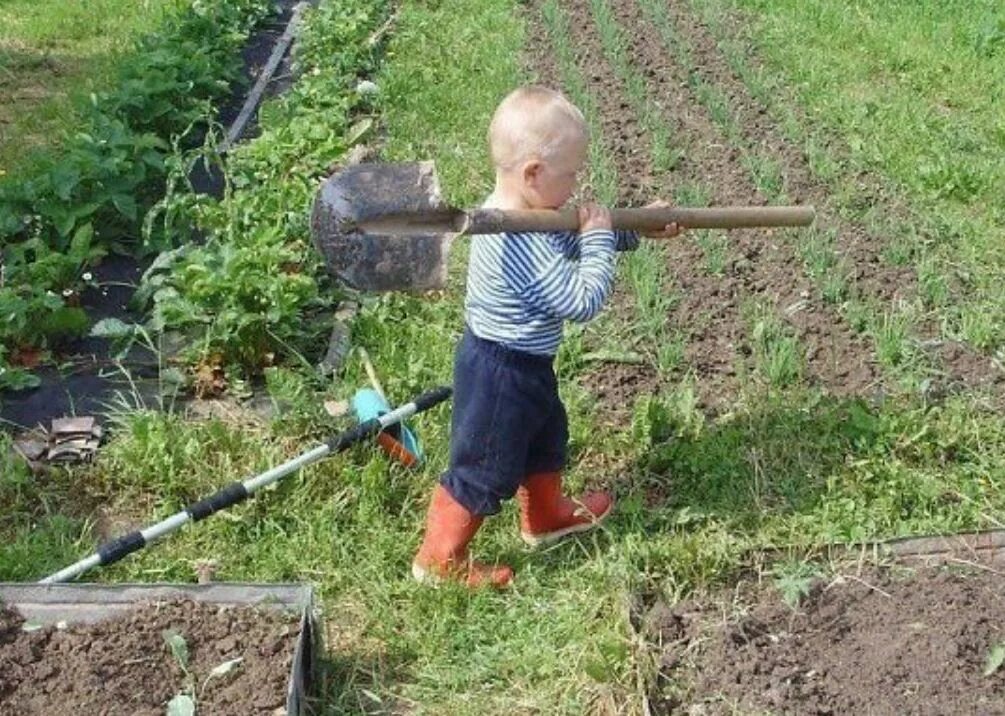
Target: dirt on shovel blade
(124, 665)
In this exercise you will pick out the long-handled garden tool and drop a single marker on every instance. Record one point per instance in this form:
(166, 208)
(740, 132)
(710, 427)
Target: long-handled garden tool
(235, 492)
(385, 227)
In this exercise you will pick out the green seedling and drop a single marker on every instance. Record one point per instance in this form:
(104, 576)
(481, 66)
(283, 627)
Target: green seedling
(776, 352)
(221, 671)
(794, 581)
(996, 657)
(932, 283)
(891, 336)
(766, 174)
(670, 354)
(982, 326)
(693, 194)
(715, 247)
(183, 703)
(824, 266)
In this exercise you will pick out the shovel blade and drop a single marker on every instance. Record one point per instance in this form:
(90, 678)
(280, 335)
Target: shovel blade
(352, 221)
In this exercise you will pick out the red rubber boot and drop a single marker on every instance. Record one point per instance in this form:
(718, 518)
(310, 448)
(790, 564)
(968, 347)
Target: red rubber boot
(444, 551)
(546, 515)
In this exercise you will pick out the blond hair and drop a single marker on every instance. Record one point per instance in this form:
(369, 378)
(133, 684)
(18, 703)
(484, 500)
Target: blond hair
(533, 123)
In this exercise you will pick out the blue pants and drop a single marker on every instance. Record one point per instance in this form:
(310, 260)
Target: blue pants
(508, 422)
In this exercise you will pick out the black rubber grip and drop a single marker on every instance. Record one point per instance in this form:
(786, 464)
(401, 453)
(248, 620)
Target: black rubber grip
(229, 495)
(116, 549)
(362, 431)
(433, 397)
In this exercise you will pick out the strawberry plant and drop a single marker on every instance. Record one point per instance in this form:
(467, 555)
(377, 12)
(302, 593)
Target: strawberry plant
(91, 196)
(250, 293)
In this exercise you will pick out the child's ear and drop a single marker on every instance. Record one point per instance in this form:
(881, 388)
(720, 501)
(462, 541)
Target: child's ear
(532, 172)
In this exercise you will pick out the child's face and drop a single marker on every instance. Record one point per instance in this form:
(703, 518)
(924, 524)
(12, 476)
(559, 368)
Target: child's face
(551, 183)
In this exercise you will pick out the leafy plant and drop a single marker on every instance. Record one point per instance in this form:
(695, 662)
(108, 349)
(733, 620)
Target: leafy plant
(794, 580)
(183, 703)
(90, 196)
(249, 292)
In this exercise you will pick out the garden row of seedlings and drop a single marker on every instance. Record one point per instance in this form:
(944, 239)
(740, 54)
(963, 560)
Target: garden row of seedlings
(705, 309)
(860, 255)
(832, 306)
(786, 307)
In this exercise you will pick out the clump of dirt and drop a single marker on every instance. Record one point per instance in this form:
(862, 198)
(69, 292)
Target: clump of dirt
(123, 665)
(881, 642)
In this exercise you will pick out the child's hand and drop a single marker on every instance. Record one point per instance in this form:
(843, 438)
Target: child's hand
(593, 217)
(670, 230)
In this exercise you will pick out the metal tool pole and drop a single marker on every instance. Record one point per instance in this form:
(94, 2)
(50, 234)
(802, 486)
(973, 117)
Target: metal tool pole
(116, 549)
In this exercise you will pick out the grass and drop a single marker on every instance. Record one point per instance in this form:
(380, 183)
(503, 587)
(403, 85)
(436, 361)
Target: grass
(52, 50)
(891, 337)
(823, 264)
(778, 359)
(715, 248)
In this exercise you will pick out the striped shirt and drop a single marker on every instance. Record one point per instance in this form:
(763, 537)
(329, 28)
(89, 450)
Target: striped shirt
(523, 287)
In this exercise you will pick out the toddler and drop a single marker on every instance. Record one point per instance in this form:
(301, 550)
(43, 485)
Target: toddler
(509, 428)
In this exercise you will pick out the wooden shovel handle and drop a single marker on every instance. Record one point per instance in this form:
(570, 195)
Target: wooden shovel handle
(495, 221)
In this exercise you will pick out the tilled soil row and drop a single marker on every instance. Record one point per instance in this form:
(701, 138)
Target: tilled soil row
(123, 665)
(883, 642)
(873, 277)
(761, 266)
(764, 266)
(710, 354)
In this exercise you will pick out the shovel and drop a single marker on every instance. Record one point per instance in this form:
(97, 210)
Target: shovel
(385, 226)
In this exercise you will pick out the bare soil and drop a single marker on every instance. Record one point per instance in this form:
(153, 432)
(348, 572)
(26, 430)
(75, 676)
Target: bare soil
(123, 665)
(882, 641)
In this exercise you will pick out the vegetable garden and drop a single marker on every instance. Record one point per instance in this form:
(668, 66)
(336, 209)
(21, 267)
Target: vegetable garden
(767, 405)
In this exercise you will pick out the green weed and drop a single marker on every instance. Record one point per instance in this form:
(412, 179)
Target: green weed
(823, 264)
(932, 285)
(777, 356)
(692, 194)
(50, 53)
(891, 335)
(715, 247)
(793, 580)
(766, 174)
